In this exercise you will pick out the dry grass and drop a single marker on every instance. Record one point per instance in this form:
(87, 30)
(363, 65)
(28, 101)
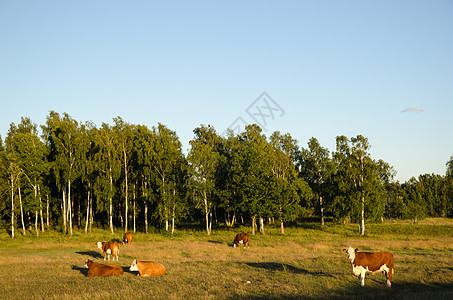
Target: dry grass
(307, 262)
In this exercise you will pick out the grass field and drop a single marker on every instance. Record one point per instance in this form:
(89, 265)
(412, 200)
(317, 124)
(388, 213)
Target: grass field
(306, 262)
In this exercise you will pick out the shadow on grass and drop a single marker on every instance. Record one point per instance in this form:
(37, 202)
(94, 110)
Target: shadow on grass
(399, 290)
(93, 254)
(82, 270)
(126, 270)
(273, 266)
(215, 242)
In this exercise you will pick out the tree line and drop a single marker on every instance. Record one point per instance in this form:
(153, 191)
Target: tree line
(78, 175)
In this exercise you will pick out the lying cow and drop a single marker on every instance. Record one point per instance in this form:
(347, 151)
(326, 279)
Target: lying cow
(363, 262)
(109, 248)
(95, 269)
(127, 238)
(147, 268)
(241, 239)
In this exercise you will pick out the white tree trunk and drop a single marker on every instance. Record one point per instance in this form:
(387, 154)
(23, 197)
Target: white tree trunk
(88, 211)
(261, 225)
(69, 207)
(36, 223)
(322, 210)
(41, 214)
(146, 217)
(126, 194)
(12, 207)
(206, 209)
(47, 211)
(362, 228)
(173, 219)
(91, 212)
(282, 228)
(22, 212)
(111, 202)
(64, 211)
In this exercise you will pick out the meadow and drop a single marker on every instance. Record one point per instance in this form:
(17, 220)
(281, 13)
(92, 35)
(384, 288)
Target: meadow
(307, 262)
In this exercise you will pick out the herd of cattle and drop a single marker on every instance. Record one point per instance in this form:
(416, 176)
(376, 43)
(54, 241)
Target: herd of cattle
(361, 262)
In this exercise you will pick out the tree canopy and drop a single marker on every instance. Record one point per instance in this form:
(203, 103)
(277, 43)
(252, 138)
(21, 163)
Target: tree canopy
(77, 174)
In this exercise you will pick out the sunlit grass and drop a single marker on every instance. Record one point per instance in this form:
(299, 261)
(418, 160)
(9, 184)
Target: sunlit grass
(306, 262)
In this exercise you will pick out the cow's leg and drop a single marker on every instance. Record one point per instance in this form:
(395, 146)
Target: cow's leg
(389, 274)
(362, 278)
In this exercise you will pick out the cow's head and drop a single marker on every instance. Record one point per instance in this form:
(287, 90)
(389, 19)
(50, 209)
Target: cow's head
(88, 263)
(99, 244)
(134, 266)
(351, 253)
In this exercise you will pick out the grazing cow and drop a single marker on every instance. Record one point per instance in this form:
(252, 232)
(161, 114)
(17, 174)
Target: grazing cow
(127, 238)
(147, 268)
(95, 269)
(363, 262)
(109, 248)
(241, 239)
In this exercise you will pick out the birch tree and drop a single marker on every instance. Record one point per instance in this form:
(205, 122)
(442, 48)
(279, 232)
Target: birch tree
(252, 174)
(65, 158)
(359, 179)
(315, 168)
(31, 153)
(144, 172)
(123, 132)
(204, 158)
(166, 152)
(108, 163)
(89, 170)
(288, 188)
(14, 172)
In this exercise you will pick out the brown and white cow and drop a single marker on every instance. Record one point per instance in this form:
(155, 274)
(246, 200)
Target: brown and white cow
(95, 269)
(127, 238)
(147, 268)
(374, 262)
(109, 248)
(241, 239)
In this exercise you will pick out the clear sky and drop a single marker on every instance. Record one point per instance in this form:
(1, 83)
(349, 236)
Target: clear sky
(383, 69)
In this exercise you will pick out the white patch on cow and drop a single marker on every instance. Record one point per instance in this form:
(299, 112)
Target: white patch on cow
(357, 270)
(134, 266)
(383, 268)
(109, 251)
(241, 242)
(351, 254)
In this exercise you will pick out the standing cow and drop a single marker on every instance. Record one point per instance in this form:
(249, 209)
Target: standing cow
(127, 238)
(147, 268)
(109, 248)
(241, 239)
(363, 262)
(95, 269)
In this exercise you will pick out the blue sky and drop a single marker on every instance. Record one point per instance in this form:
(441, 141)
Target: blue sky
(383, 69)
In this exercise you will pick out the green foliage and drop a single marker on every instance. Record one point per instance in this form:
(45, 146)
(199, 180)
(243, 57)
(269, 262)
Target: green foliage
(130, 174)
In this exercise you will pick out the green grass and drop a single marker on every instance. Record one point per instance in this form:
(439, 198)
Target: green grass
(306, 262)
